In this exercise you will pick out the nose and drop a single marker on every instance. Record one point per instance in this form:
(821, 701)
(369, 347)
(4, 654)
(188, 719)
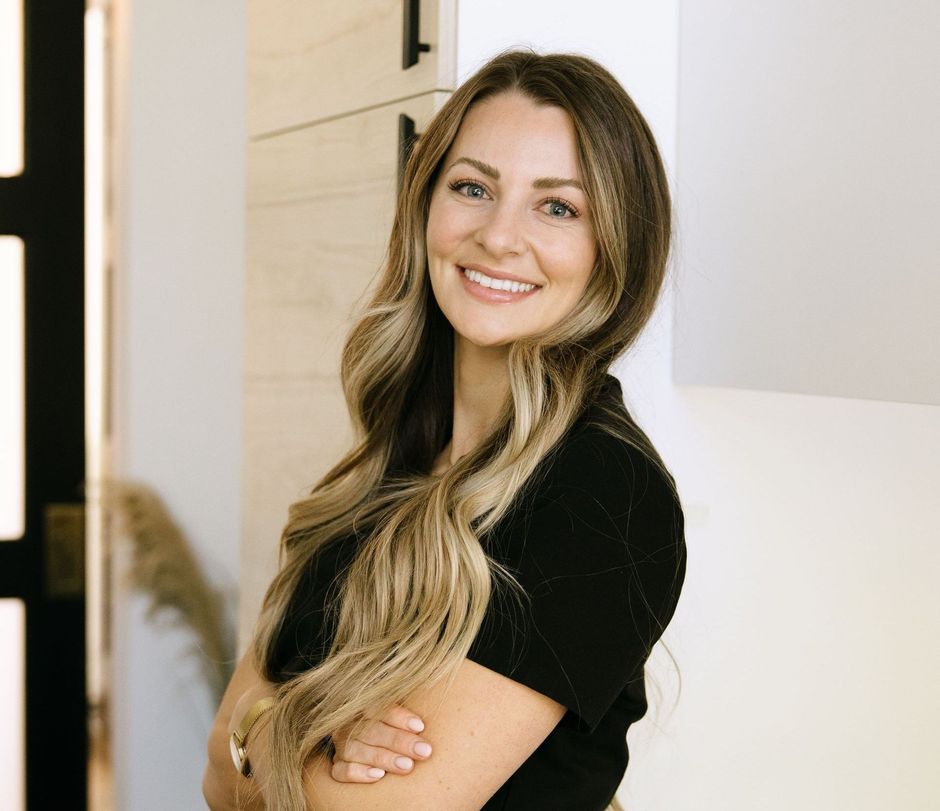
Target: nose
(500, 233)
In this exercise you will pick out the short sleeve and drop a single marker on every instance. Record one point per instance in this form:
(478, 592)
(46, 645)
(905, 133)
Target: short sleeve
(600, 550)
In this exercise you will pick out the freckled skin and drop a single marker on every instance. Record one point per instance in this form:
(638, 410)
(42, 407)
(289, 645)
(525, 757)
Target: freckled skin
(507, 225)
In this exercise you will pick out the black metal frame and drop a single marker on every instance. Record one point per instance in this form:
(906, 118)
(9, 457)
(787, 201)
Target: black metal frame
(45, 207)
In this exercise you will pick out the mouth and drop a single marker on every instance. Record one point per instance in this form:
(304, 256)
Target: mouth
(486, 288)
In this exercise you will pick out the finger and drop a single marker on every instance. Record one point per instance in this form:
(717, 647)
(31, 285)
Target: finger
(403, 718)
(359, 752)
(344, 771)
(380, 734)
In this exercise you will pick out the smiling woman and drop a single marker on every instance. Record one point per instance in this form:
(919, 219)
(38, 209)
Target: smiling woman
(505, 226)
(503, 546)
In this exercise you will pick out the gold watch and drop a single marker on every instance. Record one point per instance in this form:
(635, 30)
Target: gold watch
(240, 734)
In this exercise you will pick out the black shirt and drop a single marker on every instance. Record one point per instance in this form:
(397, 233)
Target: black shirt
(599, 546)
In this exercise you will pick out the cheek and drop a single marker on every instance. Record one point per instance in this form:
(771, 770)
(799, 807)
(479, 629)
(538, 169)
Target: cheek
(440, 233)
(571, 263)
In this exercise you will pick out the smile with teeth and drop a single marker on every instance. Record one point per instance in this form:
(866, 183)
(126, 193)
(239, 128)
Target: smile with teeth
(497, 284)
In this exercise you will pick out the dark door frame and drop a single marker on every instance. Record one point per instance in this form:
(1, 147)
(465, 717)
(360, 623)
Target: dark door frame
(45, 207)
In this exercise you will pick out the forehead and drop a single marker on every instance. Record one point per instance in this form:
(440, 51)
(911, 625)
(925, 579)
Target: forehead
(513, 132)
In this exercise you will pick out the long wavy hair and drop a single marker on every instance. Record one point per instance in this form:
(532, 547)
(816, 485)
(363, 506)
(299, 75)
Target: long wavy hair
(415, 594)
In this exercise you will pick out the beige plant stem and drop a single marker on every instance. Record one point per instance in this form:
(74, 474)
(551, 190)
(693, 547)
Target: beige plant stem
(165, 568)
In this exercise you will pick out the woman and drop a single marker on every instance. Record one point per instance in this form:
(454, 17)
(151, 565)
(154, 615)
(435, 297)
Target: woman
(503, 547)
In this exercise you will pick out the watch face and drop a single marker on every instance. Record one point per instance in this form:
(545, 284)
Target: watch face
(236, 751)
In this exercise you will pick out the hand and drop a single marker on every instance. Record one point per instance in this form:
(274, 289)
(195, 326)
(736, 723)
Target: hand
(384, 740)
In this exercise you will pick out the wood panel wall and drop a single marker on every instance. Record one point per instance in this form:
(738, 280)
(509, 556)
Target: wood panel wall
(325, 89)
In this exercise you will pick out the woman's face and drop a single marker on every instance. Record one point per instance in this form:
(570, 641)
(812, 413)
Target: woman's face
(509, 205)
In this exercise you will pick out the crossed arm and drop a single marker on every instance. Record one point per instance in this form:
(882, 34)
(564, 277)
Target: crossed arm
(482, 729)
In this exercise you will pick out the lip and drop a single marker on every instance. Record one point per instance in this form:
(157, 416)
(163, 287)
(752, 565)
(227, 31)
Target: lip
(488, 294)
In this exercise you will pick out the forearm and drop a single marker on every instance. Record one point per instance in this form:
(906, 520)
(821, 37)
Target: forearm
(218, 795)
(222, 784)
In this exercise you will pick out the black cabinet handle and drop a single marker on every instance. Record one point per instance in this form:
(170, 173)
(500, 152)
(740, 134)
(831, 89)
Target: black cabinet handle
(412, 36)
(406, 141)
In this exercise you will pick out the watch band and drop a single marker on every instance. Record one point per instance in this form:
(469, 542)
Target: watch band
(240, 734)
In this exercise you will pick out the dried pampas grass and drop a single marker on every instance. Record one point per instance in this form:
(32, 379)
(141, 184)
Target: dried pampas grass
(165, 568)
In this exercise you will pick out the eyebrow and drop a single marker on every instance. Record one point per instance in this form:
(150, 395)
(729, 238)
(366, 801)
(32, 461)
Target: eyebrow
(538, 183)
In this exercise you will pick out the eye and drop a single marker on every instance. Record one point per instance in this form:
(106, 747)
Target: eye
(472, 188)
(558, 208)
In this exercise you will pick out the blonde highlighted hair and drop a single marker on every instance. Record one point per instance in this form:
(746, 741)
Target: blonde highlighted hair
(415, 595)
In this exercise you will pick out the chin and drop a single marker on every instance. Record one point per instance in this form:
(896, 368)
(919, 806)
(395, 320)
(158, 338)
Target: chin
(485, 339)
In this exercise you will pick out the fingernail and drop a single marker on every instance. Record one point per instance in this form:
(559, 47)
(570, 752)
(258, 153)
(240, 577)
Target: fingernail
(374, 772)
(404, 762)
(423, 749)
(415, 724)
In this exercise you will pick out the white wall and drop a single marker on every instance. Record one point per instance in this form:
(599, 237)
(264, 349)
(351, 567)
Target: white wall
(810, 155)
(806, 632)
(179, 266)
